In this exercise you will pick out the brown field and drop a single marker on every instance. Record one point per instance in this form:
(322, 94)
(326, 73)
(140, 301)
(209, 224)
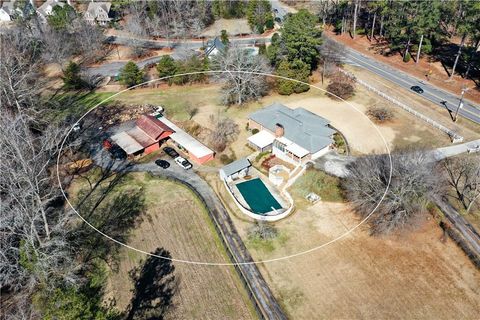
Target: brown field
(232, 26)
(418, 275)
(177, 221)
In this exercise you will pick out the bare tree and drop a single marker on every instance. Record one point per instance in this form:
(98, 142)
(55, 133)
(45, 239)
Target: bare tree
(244, 77)
(59, 46)
(463, 176)
(34, 247)
(89, 40)
(380, 114)
(262, 230)
(408, 193)
(20, 83)
(332, 54)
(191, 111)
(224, 130)
(174, 18)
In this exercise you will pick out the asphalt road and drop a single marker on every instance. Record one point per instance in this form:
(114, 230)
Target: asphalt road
(179, 48)
(470, 110)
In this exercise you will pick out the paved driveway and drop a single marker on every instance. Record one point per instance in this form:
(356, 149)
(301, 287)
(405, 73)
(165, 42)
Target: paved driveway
(262, 296)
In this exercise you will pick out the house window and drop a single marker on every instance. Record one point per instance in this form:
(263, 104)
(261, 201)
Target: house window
(280, 146)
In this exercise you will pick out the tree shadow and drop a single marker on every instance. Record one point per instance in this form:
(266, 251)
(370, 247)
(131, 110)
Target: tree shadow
(154, 287)
(115, 217)
(468, 64)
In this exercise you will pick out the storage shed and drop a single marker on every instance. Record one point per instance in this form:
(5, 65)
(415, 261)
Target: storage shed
(236, 169)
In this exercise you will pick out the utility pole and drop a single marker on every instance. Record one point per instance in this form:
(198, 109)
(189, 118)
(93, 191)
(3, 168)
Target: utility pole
(460, 104)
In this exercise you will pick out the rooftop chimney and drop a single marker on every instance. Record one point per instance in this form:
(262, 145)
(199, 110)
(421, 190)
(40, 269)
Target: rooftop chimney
(279, 131)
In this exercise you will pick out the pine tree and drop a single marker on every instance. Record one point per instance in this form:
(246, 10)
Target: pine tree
(166, 66)
(131, 75)
(71, 76)
(297, 70)
(302, 37)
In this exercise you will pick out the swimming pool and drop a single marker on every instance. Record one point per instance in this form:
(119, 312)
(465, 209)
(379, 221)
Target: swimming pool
(257, 196)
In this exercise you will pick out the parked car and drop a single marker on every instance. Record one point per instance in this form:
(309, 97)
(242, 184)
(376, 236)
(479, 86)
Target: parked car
(417, 89)
(184, 163)
(171, 152)
(162, 163)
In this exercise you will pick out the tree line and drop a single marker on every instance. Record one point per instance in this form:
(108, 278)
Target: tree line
(412, 28)
(52, 265)
(179, 18)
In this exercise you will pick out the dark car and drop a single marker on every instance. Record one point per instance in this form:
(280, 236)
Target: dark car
(117, 153)
(171, 152)
(162, 163)
(417, 89)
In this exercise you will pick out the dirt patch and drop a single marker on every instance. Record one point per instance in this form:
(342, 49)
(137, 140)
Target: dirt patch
(233, 27)
(177, 222)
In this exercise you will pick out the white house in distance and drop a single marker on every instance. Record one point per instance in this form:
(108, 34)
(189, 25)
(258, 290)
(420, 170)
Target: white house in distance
(46, 9)
(7, 11)
(98, 12)
(294, 135)
(214, 46)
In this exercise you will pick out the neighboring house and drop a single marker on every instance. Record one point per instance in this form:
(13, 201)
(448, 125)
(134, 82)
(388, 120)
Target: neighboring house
(293, 135)
(144, 138)
(98, 12)
(6, 11)
(151, 131)
(46, 9)
(236, 169)
(214, 47)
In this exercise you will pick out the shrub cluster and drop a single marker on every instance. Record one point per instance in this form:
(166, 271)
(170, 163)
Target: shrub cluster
(380, 114)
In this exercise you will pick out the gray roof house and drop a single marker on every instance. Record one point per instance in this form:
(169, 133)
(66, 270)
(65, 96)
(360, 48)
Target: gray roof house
(235, 169)
(98, 12)
(294, 135)
(46, 9)
(214, 46)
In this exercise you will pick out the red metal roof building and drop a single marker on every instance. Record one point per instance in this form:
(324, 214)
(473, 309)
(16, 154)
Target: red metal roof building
(149, 133)
(145, 137)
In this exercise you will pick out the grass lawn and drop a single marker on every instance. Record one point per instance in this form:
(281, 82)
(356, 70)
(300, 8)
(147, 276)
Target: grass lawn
(317, 181)
(176, 220)
(82, 102)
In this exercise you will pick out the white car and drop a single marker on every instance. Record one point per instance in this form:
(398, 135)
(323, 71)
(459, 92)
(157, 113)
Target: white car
(184, 163)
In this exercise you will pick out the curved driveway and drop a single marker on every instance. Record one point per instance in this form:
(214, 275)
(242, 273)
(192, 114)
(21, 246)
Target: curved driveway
(266, 304)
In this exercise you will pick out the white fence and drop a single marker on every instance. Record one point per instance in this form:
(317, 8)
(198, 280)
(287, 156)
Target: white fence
(453, 135)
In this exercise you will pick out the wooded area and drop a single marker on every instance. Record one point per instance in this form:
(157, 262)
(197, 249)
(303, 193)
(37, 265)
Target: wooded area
(449, 31)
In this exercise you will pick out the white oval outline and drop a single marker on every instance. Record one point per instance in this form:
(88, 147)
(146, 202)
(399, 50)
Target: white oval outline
(222, 263)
